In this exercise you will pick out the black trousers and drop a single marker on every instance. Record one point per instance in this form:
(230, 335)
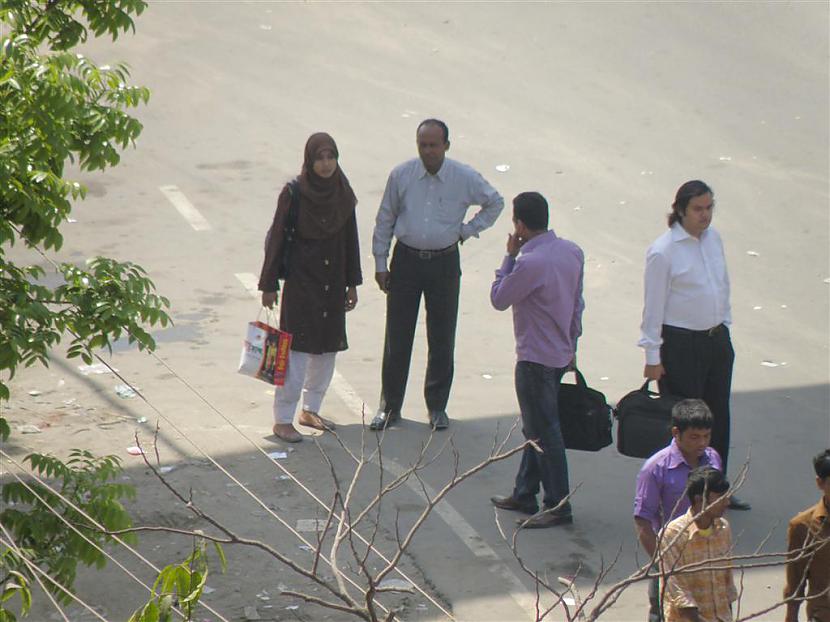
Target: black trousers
(699, 365)
(437, 277)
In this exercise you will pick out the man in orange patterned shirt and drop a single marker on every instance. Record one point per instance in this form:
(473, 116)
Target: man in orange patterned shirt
(699, 536)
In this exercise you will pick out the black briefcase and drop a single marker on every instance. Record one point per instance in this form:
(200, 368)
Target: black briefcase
(584, 416)
(644, 422)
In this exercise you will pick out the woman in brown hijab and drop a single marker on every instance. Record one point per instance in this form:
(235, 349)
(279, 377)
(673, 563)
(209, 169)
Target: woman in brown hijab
(321, 286)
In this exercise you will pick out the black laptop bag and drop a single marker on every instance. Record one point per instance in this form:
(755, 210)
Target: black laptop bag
(643, 422)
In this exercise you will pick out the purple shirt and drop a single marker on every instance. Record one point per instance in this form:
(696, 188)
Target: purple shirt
(662, 482)
(544, 287)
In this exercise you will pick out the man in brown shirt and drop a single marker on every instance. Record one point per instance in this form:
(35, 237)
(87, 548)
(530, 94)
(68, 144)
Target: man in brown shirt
(811, 573)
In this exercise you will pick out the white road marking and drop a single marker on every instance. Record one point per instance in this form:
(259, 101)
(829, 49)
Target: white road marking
(464, 530)
(185, 208)
(466, 533)
(249, 282)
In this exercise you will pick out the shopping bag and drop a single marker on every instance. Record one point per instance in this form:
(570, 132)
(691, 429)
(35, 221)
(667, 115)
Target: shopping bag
(265, 353)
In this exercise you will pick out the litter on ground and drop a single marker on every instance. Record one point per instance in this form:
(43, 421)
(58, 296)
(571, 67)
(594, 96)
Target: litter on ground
(125, 392)
(97, 368)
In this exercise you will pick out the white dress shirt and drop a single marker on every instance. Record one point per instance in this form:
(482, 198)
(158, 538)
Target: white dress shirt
(427, 211)
(686, 285)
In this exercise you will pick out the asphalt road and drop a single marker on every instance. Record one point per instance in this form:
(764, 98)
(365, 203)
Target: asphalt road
(606, 108)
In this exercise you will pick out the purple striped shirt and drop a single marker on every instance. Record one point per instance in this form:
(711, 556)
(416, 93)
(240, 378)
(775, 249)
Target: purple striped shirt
(544, 287)
(661, 484)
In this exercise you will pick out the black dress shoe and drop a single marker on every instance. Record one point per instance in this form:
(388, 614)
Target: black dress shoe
(438, 419)
(383, 420)
(737, 504)
(510, 503)
(546, 519)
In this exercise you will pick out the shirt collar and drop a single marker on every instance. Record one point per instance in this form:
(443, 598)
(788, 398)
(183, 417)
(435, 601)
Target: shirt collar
(820, 513)
(679, 234)
(440, 175)
(693, 529)
(676, 456)
(539, 239)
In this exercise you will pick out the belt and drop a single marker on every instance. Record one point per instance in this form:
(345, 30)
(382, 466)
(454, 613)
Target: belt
(708, 332)
(428, 254)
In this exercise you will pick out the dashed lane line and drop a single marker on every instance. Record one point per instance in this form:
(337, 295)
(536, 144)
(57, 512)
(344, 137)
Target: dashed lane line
(456, 522)
(185, 208)
(249, 282)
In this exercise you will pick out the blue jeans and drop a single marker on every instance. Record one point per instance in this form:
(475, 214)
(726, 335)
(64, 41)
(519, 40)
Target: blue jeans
(537, 388)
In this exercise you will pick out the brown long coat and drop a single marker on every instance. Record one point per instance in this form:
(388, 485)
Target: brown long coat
(313, 306)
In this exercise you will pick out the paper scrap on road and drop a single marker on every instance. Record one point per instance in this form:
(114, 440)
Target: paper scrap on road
(166, 469)
(278, 455)
(753, 253)
(135, 451)
(125, 392)
(769, 364)
(34, 393)
(502, 168)
(29, 429)
(97, 368)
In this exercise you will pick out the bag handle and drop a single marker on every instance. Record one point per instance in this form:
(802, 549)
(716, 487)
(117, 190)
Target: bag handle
(580, 379)
(648, 391)
(270, 314)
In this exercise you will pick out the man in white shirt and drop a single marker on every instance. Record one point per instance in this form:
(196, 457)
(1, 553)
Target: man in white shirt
(424, 207)
(686, 317)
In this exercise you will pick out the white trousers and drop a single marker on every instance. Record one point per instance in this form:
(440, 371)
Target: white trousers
(308, 376)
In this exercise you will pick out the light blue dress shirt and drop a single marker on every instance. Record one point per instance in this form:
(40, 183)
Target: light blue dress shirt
(427, 211)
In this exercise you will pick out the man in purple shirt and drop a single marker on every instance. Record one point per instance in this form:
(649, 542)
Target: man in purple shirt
(661, 485)
(543, 284)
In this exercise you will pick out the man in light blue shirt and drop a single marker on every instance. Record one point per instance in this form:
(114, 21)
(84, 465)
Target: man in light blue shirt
(424, 207)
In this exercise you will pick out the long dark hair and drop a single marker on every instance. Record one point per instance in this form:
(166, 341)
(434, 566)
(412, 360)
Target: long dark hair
(686, 193)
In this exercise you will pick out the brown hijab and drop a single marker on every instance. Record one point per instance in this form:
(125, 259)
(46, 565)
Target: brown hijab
(325, 204)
